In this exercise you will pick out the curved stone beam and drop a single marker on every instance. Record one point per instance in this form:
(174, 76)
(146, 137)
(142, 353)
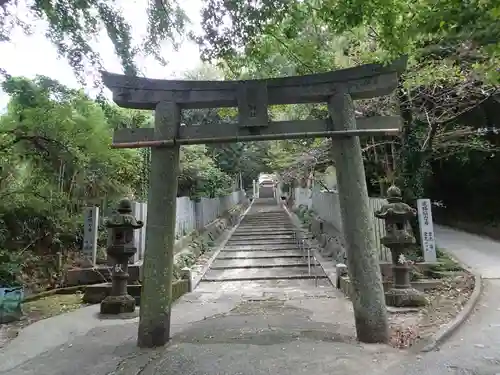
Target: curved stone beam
(362, 82)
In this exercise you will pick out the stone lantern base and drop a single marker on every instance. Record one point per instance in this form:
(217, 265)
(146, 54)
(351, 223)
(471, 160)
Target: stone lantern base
(115, 305)
(407, 297)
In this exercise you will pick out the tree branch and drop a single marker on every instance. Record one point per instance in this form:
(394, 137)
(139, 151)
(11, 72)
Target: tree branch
(433, 128)
(34, 139)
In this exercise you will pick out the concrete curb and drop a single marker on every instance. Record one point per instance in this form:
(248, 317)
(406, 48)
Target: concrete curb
(221, 246)
(450, 328)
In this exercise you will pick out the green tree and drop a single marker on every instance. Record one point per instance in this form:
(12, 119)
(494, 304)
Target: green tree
(453, 57)
(200, 175)
(73, 24)
(55, 159)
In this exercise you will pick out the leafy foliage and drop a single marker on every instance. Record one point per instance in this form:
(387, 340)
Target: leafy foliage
(55, 159)
(453, 69)
(74, 24)
(200, 175)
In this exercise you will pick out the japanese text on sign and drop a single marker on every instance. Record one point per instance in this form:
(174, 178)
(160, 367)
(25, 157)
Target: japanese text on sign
(426, 230)
(91, 224)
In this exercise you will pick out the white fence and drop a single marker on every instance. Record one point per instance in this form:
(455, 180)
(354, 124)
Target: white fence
(190, 216)
(326, 205)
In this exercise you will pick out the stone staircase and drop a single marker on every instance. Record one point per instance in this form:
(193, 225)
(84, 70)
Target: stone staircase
(263, 251)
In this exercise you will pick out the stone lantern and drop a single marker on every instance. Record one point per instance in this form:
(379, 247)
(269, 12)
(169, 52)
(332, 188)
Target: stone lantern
(398, 239)
(122, 225)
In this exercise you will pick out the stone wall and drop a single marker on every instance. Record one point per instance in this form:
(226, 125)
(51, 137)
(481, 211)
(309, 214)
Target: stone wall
(186, 248)
(326, 222)
(190, 216)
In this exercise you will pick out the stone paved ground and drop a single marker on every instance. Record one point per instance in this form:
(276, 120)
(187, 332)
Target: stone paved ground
(281, 326)
(248, 318)
(211, 335)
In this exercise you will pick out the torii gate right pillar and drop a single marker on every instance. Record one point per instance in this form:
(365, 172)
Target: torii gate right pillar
(370, 313)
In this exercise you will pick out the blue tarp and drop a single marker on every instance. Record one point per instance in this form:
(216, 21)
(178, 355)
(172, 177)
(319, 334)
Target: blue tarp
(10, 303)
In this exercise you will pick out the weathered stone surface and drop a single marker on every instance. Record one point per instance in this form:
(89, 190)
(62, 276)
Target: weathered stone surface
(273, 253)
(122, 226)
(361, 82)
(262, 274)
(256, 257)
(95, 275)
(367, 294)
(408, 297)
(100, 274)
(118, 304)
(257, 262)
(98, 292)
(330, 240)
(396, 215)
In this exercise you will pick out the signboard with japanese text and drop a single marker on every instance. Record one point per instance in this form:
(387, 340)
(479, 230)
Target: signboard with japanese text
(90, 233)
(426, 229)
(140, 211)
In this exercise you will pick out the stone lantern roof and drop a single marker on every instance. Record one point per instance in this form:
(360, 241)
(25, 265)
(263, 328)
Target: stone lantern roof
(395, 208)
(124, 217)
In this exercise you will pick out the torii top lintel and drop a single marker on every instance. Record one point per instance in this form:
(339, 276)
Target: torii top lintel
(361, 82)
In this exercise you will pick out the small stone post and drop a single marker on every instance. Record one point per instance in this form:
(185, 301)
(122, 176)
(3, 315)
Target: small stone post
(370, 312)
(121, 249)
(398, 238)
(187, 275)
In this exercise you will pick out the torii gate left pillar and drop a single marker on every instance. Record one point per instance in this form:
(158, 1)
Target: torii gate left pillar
(157, 269)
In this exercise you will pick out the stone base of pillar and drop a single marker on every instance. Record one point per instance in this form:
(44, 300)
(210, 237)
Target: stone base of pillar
(114, 305)
(408, 297)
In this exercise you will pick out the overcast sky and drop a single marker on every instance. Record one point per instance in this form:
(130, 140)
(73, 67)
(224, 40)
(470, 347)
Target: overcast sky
(31, 55)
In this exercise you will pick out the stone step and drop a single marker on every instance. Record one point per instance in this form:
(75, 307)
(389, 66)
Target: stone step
(298, 288)
(257, 221)
(258, 263)
(269, 228)
(260, 254)
(257, 241)
(262, 221)
(266, 217)
(286, 238)
(236, 274)
(276, 237)
(270, 277)
(259, 247)
(262, 212)
(244, 232)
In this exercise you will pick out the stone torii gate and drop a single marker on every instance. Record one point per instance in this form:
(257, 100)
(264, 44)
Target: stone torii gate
(252, 98)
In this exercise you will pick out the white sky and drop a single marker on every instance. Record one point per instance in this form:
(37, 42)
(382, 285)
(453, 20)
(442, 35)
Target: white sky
(31, 55)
